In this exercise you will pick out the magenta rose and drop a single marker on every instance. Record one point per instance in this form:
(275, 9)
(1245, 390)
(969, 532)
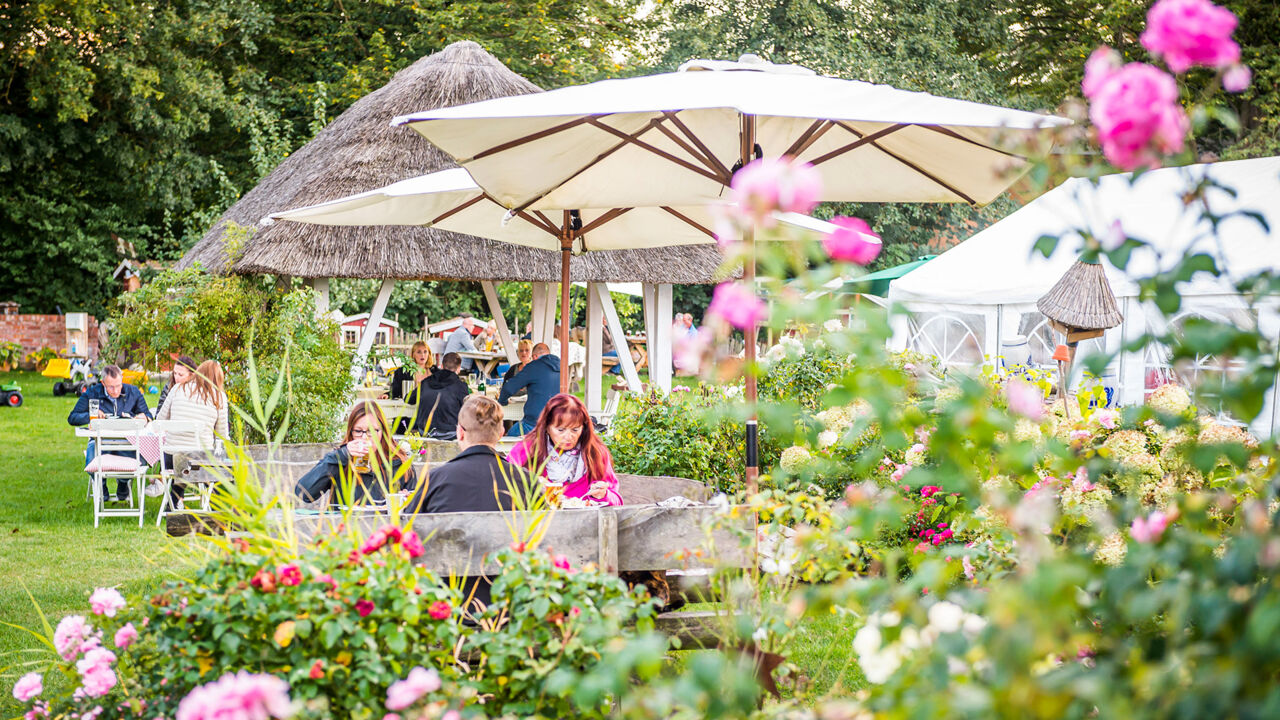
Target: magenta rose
(412, 544)
(852, 242)
(770, 184)
(737, 305)
(364, 607)
(1138, 118)
(1187, 33)
(289, 574)
(439, 610)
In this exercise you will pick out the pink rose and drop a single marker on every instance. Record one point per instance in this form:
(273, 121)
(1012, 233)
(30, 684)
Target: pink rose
(900, 471)
(289, 575)
(770, 184)
(737, 305)
(1081, 482)
(327, 579)
(317, 670)
(1150, 528)
(412, 545)
(1138, 118)
(1101, 65)
(31, 685)
(126, 636)
(1236, 79)
(968, 567)
(381, 536)
(562, 562)
(929, 490)
(71, 633)
(404, 693)
(1025, 399)
(364, 607)
(264, 580)
(96, 673)
(439, 610)
(106, 601)
(688, 350)
(852, 242)
(242, 695)
(1191, 32)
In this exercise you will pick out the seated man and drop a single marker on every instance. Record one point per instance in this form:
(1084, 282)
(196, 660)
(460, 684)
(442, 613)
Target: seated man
(462, 340)
(541, 376)
(477, 479)
(440, 398)
(115, 399)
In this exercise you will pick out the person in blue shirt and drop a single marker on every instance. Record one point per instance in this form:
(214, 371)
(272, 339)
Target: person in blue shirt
(462, 340)
(541, 376)
(115, 399)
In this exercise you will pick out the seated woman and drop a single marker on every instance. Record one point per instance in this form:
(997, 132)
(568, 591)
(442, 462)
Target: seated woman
(524, 351)
(417, 372)
(202, 401)
(565, 447)
(367, 461)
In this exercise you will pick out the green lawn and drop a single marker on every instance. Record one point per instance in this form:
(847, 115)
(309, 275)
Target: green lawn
(47, 540)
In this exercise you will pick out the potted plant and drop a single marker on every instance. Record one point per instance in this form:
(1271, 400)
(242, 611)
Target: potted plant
(9, 353)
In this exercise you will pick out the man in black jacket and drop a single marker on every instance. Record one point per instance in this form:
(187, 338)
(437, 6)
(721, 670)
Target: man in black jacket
(440, 397)
(115, 399)
(541, 377)
(478, 479)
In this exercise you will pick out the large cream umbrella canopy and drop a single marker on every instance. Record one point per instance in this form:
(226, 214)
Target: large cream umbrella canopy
(677, 139)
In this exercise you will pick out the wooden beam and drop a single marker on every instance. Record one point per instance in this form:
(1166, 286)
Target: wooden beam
(495, 307)
(371, 326)
(619, 337)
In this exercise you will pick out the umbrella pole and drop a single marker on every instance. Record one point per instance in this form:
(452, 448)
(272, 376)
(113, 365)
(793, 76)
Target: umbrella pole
(566, 243)
(748, 138)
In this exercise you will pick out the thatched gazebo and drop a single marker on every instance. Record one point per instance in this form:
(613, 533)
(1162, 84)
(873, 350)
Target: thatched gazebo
(360, 151)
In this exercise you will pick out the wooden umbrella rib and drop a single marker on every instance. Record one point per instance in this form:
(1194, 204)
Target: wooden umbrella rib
(952, 133)
(712, 166)
(925, 173)
(809, 137)
(634, 140)
(697, 226)
(458, 208)
(534, 136)
(541, 222)
(556, 230)
(862, 140)
(720, 167)
(604, 218)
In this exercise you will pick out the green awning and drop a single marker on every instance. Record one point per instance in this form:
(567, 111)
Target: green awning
(877, 283)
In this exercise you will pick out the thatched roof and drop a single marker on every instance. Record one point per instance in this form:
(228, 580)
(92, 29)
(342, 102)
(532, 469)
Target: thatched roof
(1082, 299)
(360, 151)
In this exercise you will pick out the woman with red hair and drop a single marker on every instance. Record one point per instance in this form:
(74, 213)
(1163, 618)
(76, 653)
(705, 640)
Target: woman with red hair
(565, 448)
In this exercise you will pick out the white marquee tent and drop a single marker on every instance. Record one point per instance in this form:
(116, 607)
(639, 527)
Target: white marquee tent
(977, 300)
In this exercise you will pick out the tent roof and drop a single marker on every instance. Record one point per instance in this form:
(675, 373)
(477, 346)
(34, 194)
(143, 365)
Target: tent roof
(999, 265)
(359, 150)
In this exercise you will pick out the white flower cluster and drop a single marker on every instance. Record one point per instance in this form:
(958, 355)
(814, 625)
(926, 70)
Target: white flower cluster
(880, 659)
(1169, 399)
(787, 347)
(1112, 550)
(794, 458)
(1087, 505)
(833, 326)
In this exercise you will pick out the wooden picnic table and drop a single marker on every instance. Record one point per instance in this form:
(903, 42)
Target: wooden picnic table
(487, 361)
(639, 345)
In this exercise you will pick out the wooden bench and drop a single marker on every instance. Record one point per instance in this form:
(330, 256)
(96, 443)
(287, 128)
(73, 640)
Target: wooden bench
(615, 539)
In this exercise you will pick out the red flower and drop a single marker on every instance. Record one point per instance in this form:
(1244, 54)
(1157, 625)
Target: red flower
(240, 544)
(562, 562)
(264, 580)
(575, 611)
(385, 535)
(364, 607)
(928, 490)
(518, 547)
(317, 670)
(327, 579)
(289, 574)
(412, 545)
(439, 610)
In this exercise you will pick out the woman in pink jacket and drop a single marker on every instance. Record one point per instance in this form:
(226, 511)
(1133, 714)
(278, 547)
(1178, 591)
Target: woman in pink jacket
(565, 448)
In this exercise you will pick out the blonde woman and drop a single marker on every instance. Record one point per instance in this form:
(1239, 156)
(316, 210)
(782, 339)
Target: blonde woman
(202, 401)
(417, 372)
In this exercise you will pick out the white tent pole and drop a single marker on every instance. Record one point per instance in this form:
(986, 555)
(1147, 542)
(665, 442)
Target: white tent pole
(371, 325)
(619, 337)
(595, 342)
(1132, 364)
(660, 352)
(495, 307)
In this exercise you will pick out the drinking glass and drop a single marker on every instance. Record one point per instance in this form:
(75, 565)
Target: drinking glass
(554, 492)
(94, 407)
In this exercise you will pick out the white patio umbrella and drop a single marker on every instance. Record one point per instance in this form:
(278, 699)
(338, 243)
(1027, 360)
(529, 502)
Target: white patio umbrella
(677, 138)
(451, 200)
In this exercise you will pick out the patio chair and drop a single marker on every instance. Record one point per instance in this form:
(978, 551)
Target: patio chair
(193, 492)
(108, 438)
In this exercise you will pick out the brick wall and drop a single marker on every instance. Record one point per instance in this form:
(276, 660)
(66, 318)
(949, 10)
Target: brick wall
(36, 331)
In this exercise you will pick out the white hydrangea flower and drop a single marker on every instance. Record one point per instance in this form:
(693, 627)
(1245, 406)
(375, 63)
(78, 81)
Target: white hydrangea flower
(1169, 399)
(833, 325)
(946, 616)
(827, 438)
(794, 458)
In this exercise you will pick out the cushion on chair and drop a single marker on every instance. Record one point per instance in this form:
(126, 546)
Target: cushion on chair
(112, 463)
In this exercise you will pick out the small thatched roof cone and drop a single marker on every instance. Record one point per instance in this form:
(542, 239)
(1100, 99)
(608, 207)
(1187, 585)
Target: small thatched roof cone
(1082, 299)
(360, 151)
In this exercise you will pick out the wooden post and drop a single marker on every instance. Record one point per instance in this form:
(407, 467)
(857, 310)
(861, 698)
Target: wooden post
(748, 142)
(608, 538)
(595, 341)
(371, 326)
(619, 337)
(495, 307)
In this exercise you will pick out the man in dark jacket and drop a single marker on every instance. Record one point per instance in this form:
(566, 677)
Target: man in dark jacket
(542, 377)
(440, 398)
(478, 479)
(115, 399)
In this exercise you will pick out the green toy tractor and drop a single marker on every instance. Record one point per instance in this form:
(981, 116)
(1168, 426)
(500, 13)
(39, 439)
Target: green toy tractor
(10, 395)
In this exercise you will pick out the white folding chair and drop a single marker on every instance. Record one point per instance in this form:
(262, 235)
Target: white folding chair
(197, 493)
(611, 402)
(109, 438)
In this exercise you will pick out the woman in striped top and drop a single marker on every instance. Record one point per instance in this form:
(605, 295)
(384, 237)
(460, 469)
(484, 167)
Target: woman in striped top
(202, 401)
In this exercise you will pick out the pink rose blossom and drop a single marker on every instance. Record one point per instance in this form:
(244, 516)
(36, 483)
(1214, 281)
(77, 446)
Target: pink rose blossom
(439, 610)
(1106, 418)
(1113, 238)
(901, 470)
(31, 685)
(92, 714)
(688, 350)
(1150, 528)
(1025, 399)
(364, 607)
(106, 601)
(853, 241)
(1081, 482)
(71, 633)
(1237, 79)
(412, 545)
(1137, 116)
(1101, 65)
(289, 574)
(382, 536)
(1187, 33)
(929, 490)
(327, 579)
(126, 636)
(404, 693)
(38, 710)
(451, 715)
(391, 716)
(562, 562)
(737, 305)
(770, 184)
(96, 673)
(968, 567)
(242, 695)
